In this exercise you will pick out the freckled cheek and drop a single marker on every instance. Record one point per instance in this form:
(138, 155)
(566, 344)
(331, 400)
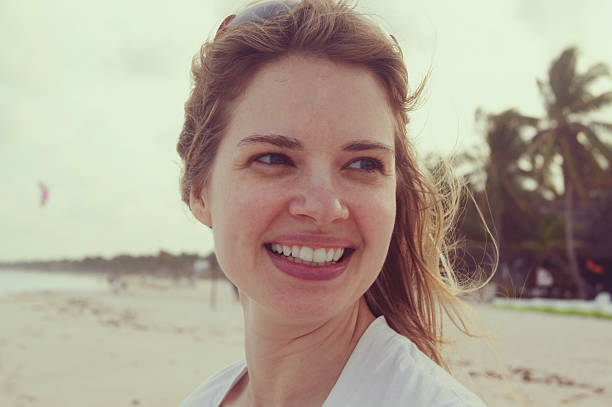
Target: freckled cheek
(254, 208)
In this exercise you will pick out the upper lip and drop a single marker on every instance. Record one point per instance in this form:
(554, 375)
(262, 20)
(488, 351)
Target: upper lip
(314, 241)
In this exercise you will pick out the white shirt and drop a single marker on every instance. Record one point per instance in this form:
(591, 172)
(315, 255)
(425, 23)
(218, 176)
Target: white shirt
(385, 370)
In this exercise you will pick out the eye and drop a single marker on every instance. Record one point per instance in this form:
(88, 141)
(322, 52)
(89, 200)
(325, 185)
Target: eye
(273, 159)
(368, 164)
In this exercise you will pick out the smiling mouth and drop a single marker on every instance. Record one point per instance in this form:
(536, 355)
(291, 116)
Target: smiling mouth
(310, 256)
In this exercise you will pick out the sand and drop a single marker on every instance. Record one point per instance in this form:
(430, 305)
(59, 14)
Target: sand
(152, 344)
(544, 359)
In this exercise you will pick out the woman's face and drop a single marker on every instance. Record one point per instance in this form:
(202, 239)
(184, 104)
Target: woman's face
(306, 168)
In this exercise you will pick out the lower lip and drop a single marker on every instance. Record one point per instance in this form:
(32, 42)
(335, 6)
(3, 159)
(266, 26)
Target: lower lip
(305, 272)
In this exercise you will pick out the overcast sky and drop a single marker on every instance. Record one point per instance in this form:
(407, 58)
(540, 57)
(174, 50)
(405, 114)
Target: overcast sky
(92, 93)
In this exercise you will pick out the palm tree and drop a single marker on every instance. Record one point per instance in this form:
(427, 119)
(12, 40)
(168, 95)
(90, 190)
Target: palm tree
(569, 132)
(500, 175)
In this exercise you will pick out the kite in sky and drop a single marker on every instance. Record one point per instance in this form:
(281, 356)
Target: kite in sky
(44, 193)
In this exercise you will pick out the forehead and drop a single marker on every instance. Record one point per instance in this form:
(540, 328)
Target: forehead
(307, 96)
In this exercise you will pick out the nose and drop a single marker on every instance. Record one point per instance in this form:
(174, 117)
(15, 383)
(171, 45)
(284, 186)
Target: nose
(319, 202)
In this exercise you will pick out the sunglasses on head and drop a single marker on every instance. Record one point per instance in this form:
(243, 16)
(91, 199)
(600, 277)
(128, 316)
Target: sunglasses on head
(261, 12)
(257, 13)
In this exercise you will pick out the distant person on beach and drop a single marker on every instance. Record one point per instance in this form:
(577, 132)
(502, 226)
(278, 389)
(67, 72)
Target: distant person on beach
(296, 155)
(116, 284)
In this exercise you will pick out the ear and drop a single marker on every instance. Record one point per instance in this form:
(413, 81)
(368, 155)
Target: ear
(200, 208)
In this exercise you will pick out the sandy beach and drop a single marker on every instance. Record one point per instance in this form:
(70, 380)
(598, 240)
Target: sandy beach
(153, 343)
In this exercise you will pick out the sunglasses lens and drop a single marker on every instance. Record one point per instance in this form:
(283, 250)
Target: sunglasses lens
(257, 14)
(262, 12)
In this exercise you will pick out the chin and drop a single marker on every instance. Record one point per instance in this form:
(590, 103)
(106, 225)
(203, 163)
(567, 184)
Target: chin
(310, 305)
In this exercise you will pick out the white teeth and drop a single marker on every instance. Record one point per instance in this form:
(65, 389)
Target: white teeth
(319, 256)
(338, 254)
(306, 253)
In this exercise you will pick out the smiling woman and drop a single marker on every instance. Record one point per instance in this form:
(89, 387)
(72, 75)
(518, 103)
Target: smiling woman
(285, 173)
(295, 154)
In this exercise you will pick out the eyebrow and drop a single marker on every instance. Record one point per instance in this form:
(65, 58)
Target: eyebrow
(363, 145)
(294, 144)
(274, 139)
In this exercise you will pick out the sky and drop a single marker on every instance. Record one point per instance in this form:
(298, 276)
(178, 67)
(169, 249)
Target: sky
(92, 94)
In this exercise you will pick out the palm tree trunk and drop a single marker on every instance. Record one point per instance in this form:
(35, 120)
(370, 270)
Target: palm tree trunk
(570, 244)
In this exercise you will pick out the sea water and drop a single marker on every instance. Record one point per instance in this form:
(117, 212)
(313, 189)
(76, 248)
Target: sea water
(17, 281)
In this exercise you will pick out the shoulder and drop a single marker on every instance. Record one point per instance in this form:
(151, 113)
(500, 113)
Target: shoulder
(387, 369)
(214, 390)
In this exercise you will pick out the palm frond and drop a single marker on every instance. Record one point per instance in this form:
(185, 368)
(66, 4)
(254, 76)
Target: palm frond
(591, 103)
(590, 168)
(595, 141)
(546, 94)
(561, 76)
(539, 138)
(603, 125)
(518, 119)
(592, 74)
(547, 151)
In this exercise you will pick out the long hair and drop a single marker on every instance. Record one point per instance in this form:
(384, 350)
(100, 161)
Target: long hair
(416, 283)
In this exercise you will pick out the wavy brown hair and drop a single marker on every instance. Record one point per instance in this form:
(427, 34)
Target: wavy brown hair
(416, 284)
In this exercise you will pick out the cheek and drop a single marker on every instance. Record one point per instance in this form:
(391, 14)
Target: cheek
(376, 212)
(256, 205)
(242, 214)
(242, 211)
(380, 226)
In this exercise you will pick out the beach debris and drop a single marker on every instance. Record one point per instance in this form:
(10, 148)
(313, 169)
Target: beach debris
(526, 375)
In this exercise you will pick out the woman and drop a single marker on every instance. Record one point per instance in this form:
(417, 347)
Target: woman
(295, 154)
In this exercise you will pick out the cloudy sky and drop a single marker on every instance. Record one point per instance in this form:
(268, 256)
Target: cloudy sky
(91, 97)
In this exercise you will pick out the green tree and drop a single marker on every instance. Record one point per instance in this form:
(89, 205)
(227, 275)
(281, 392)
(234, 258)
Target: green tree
(570, 132)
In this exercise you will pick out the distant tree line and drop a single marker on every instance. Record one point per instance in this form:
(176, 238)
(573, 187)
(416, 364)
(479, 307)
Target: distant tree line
(164, 263)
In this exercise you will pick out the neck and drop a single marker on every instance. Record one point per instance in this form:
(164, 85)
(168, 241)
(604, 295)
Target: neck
(298, 364)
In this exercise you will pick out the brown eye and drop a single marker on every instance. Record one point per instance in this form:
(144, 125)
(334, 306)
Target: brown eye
(367, 164)
(273, 159)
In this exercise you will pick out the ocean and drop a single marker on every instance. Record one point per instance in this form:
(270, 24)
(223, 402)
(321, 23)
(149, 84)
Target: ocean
(19, 281)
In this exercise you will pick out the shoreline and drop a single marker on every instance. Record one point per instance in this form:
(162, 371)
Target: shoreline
(14, 281)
